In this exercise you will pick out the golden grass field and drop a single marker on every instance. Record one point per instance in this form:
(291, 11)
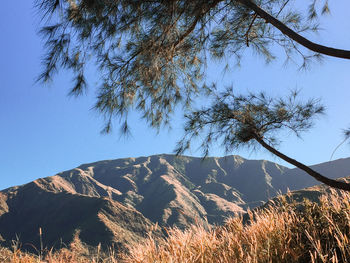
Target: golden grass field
(287, 232)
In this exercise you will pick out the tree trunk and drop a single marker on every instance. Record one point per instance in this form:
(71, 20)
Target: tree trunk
(333, 52)
(330, 182)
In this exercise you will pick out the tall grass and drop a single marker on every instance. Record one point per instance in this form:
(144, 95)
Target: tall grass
(282, 232)
(77, 252)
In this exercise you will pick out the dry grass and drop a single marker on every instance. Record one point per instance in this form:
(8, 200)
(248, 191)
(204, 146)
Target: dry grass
(280, 233)
(76, 253)
(283, 233)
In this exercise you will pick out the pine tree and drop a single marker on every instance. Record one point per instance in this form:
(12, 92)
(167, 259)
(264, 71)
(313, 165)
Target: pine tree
(151, 56)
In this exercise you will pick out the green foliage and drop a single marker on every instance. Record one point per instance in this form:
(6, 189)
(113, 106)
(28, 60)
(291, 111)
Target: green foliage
(152, 55)
(238, 121)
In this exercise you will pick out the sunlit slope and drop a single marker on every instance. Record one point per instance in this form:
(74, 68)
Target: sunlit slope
(120, 201)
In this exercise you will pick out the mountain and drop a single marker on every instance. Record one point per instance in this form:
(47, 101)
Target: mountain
(62, 215)
(120, 201)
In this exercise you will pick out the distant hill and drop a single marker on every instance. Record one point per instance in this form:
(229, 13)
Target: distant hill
(120, 201)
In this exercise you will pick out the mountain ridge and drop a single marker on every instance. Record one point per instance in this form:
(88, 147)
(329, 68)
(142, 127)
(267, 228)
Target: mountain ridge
(164, 190)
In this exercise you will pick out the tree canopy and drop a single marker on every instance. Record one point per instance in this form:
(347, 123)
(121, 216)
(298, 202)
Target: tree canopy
(238, 121)
(152, 55)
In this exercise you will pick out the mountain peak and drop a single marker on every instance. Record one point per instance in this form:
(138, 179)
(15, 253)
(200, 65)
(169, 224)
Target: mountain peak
(105, 197)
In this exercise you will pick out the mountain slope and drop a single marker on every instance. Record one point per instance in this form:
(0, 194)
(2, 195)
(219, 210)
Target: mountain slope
(119, 201)
(63, 215)
(180, 190)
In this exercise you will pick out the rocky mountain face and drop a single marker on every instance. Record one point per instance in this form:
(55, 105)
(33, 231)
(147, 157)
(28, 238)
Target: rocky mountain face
(62, 216)
(120, 201)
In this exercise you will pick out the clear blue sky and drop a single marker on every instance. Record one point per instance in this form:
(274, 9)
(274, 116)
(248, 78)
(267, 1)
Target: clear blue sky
(43, 132)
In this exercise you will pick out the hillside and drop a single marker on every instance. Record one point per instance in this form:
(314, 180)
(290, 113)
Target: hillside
(120, 201)
(62, 216)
